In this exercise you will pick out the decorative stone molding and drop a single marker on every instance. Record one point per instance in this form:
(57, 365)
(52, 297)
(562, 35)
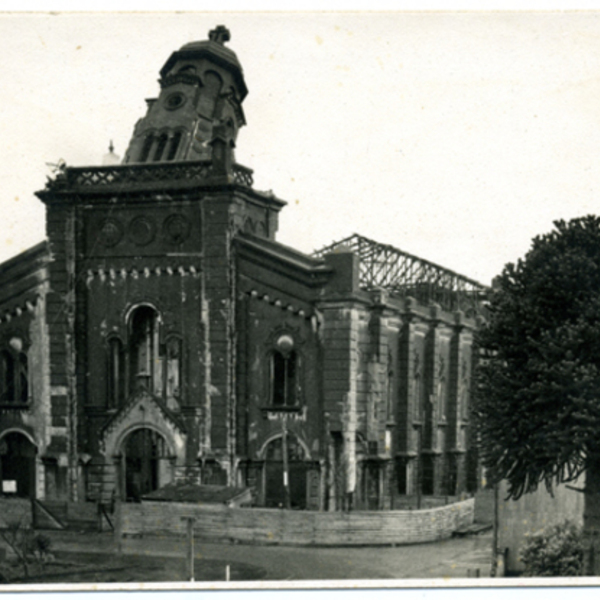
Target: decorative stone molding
(103, 274)
(17, 310)
(143, 410)
(141, 231)
(277, 302)
(176, 229)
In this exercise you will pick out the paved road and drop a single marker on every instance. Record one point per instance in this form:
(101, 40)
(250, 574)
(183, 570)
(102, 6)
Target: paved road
(448, 559)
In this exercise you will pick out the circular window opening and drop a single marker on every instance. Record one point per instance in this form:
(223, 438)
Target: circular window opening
(174, 101)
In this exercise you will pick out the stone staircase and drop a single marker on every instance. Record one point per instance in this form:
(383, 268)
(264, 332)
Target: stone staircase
(78, 516)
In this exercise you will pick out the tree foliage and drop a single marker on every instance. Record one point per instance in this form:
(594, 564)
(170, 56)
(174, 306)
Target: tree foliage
(538, 398)
(556, 551)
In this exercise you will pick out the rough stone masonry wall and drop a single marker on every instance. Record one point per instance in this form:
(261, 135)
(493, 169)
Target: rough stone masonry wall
(268, 526)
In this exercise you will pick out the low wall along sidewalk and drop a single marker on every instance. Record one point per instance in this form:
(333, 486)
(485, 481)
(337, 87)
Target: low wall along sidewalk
(275, 526)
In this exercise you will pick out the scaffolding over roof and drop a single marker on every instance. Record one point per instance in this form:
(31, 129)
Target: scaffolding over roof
(402, 274)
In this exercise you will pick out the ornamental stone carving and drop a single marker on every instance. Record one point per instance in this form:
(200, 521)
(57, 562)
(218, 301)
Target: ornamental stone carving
(142, 231)
(111, 233)
(176, 229)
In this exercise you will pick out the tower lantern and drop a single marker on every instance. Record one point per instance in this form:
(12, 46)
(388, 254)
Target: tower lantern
(202, 85)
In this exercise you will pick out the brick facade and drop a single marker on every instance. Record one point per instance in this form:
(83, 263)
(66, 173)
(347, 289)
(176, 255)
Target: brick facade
(170, 336)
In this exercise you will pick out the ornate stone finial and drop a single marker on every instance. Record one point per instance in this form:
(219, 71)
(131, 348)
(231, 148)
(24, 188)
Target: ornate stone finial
(220, 35)
(111, 148)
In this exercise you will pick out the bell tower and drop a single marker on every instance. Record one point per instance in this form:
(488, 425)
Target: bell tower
(202, 88)
(143, 278)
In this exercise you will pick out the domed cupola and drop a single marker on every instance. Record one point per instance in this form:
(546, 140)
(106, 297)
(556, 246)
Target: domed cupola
(202, 86)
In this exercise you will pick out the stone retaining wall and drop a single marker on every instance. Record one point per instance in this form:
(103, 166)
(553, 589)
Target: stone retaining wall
(272, 526)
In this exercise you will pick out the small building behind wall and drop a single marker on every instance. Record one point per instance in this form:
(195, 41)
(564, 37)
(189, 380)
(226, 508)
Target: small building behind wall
(162, 334)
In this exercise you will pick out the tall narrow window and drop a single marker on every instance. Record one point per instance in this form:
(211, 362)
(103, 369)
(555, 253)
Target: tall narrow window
(146, 148)
(160, 147)
(173, 379)
(209, 95)
(417, 385)
(116, 373)
(390, 389)
(463, 396)
(143, 347)
(14, 378)
(428, 474)
(283, 373)
(441, 387)
(174, 145)
(7, 381)
(22, 392)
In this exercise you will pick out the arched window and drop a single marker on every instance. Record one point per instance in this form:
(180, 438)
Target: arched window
(284, 372)
(116, 372)
(14, 377)
(212, 84)
(143, 348)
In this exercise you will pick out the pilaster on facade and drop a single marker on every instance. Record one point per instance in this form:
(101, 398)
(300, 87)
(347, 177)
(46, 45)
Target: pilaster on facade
(60, 316)
(341, 334)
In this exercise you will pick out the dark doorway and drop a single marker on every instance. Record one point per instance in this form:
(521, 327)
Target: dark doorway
(17, 465)
(371, 485)
(274, 490)
(143, 450)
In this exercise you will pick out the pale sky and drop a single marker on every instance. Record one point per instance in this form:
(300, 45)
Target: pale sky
(453, 136)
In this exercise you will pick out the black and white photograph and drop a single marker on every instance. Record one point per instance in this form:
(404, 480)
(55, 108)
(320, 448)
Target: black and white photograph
(294, 299)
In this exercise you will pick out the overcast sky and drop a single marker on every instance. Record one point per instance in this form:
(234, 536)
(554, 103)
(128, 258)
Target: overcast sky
(453, 136)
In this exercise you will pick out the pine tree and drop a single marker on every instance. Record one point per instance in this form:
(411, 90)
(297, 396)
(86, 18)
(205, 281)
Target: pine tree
(538, 398)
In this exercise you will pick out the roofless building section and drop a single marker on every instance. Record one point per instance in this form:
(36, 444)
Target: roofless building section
(385, 267)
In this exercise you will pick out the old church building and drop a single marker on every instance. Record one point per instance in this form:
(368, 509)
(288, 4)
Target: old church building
(161, 333)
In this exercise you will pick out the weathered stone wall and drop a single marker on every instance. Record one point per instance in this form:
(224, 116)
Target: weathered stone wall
(397, 391)
(298, 527)
(519, 519)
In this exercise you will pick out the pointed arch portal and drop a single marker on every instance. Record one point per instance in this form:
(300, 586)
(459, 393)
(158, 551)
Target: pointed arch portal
(146, 462)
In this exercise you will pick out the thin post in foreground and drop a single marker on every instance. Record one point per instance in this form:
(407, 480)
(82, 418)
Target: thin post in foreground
(190, 545)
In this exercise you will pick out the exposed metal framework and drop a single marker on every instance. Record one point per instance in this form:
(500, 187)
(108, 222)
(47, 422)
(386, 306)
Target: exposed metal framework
(403, 274)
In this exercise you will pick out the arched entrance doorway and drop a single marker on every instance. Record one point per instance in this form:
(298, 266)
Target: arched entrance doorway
(17, 465)
(146, 463)
(274, 473)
